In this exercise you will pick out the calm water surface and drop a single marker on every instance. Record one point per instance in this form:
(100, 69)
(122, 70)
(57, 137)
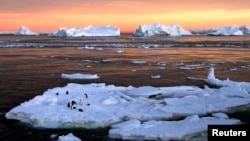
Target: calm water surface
(27, 72)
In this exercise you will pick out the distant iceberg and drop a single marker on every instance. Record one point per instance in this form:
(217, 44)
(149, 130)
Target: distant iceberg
(224, 31)
(25, 31)
(87, 31)
(245, 29)
(158, 29)
(227, 31)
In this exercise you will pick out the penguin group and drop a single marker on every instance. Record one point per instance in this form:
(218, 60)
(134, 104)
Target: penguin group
(73, 104)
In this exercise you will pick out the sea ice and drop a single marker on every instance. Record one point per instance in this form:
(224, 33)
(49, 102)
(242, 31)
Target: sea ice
(68, 137)
(79, 76)
(144, 112)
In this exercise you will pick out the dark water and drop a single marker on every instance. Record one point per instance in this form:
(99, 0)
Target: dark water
(27, 72)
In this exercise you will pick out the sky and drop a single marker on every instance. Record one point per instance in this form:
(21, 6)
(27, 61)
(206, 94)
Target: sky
(123, 14)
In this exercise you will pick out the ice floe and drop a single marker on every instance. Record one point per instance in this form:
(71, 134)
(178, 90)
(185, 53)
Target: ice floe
(243, 87)
(165, 130)
(68, 137)
(79, 76)
(135, 113)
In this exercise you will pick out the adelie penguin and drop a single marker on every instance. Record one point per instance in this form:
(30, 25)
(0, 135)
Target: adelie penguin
(86, 96)
(72, 104)
(67, 92)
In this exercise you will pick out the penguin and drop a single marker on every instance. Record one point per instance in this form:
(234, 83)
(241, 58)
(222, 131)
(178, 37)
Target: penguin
(69, 105)
(86, 96)
(80, 103)
(73, 102)
(67, 92)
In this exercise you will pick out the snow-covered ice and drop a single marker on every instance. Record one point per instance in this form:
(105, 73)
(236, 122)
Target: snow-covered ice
(158, 29)
(25, 31)
(135, 112)
(87, 31)
(79, 76)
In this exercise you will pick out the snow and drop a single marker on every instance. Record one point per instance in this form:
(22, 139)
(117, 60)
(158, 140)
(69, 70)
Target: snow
(87, 31)
(135, 113)
(79, 76)
(25, 31)
(158, 29)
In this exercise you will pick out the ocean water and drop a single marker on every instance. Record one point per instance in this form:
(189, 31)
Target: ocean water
(29, 65)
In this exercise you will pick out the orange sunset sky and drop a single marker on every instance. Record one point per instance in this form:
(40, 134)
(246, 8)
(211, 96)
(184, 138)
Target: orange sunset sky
(124, 14)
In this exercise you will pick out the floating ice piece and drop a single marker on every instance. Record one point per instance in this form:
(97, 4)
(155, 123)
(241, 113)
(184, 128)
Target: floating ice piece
(120, 51)
(166, 130)
(212, 80)
(68, 137)
(155, 76)
(79, 76)
(87, 31)
(139, 62)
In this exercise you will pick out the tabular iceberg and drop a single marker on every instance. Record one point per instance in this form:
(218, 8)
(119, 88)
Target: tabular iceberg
(25, 31)
(87, 31)
(223, 31)
(158, 29)
(227, 31)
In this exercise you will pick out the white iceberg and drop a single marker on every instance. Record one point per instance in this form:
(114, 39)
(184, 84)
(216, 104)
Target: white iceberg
(227, 31)
(87, 31)
(224, 31)
(245, 29)
(25, 31)
(79, 76)
(158, 29)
